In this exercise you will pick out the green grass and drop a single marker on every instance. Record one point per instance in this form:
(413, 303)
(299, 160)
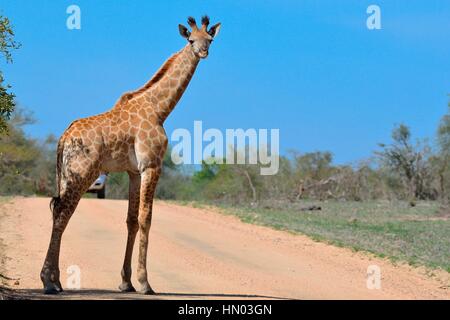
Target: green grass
(4, 199)
(418, 235)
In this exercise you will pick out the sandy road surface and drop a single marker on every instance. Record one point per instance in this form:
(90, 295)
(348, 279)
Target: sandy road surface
(195, 253)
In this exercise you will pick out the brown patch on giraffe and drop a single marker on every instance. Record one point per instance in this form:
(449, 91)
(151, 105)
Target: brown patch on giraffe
(145, 125)
(142, 113)
(176, 73)
(173, 82)
(142, 135)
(164, 84)
(124, 127)
(162, 94)
(153, 133)
(124, 116)
(133, 109)
(91, 135)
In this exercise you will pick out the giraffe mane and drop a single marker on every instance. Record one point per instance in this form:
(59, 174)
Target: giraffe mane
(156, 77)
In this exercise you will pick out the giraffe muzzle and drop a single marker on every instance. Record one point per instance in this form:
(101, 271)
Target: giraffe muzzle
(203, 54)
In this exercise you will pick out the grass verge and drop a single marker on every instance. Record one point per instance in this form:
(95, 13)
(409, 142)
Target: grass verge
(417, 235)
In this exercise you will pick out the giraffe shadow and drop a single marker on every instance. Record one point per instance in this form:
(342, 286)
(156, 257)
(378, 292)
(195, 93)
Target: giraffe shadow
(99, 294)
(220, 295)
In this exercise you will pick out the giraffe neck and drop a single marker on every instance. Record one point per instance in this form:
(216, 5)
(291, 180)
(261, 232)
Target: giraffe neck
(161, 94)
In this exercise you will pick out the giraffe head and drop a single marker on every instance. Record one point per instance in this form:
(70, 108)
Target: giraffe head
(199, 38)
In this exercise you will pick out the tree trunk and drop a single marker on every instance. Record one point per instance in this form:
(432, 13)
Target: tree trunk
(252, 187)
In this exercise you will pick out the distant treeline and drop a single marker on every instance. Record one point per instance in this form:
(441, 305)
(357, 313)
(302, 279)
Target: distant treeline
(401, 169)
(27, 165)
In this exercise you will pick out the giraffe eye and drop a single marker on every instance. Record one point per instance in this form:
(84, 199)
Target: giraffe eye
(191, 41)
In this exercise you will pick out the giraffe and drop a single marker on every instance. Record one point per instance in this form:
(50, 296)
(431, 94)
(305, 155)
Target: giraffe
(130, 137)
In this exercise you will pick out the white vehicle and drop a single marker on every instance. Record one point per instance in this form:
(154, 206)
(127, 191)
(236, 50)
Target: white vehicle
(99, 186)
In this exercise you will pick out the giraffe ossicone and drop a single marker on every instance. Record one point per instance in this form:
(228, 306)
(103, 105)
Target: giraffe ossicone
(130, 137)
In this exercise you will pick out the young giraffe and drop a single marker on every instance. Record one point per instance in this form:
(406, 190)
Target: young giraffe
(130, 137)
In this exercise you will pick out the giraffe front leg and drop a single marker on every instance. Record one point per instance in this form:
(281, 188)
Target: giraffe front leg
(149, 179)
(132, 226)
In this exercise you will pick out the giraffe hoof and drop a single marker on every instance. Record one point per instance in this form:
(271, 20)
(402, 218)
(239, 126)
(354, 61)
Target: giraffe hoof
(147, 290)
(59, 287)
(52, 289)
(127, 287)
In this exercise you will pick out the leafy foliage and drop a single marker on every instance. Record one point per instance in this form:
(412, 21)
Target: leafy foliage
(410, 162)
(27, 166)
(441, 161)
(7, 44)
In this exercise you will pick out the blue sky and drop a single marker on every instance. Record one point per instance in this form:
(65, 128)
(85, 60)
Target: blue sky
(310, 68)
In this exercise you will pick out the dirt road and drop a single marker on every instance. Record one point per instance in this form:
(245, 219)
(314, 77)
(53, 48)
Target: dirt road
(196, 253)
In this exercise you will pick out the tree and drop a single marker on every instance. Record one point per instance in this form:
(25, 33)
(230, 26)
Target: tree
(7, 44)
(444, 134)
(26, 165)
(408, 161)
(442, 160)
(311, 171)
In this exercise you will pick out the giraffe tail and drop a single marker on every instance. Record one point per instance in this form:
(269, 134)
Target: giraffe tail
(56, 201)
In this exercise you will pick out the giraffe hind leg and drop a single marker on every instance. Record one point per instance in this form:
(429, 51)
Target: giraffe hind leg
(63, 206)
(62, 211)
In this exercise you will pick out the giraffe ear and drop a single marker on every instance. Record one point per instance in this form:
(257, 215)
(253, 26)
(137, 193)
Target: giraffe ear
(214, 31)
(184, 31)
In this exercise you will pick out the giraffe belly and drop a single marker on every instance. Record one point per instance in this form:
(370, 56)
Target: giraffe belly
(126, 161)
